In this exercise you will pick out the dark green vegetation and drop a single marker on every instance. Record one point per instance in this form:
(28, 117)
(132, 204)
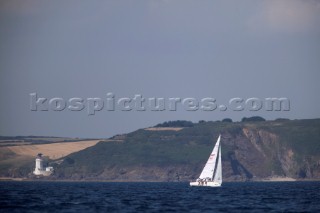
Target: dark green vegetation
(252, 119)
(178, 123)
(250, 150)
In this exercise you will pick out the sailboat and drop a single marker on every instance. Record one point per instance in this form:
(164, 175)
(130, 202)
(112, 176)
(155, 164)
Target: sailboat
(211, 174)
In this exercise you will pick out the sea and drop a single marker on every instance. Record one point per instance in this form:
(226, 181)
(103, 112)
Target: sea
(44, 196)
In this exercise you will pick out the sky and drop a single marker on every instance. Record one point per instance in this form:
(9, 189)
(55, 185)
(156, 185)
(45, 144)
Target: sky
(156, 48)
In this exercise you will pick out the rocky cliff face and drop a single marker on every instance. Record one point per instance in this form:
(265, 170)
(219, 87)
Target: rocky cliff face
(259, 154)
(255, 154)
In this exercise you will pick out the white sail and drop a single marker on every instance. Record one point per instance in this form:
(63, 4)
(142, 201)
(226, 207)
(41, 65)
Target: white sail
(208, 170)
(211, 174)
(218, 174)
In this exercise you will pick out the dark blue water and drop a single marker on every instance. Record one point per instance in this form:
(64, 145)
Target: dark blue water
(158, 197)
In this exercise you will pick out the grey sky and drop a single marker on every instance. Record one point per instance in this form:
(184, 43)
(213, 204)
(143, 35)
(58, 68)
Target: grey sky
(164, 48)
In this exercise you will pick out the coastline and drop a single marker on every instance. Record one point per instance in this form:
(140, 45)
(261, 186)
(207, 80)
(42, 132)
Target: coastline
(269, 179)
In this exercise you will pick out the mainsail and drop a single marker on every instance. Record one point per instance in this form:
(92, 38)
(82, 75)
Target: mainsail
(208, 170)
(218, 175)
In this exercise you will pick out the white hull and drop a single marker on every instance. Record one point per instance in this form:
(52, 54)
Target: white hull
(210, 184)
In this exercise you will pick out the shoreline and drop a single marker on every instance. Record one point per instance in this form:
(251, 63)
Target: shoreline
(278, 179)
(274, 179)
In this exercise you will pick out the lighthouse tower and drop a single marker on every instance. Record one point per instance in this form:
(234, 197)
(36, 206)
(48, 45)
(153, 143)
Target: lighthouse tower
(39, 165)
(40, 169)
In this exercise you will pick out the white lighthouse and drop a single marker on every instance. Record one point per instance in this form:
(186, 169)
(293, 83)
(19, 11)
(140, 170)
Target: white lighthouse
(39, 169)
(39, 165)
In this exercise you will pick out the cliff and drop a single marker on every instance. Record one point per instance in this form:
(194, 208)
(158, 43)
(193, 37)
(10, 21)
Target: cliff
(250, 151)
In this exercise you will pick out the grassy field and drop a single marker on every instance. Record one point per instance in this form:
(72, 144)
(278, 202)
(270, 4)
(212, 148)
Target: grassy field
(54, 150)
(12, 165)
(164, 128)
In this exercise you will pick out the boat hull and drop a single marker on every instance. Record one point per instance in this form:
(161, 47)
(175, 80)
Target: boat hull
(208, 184)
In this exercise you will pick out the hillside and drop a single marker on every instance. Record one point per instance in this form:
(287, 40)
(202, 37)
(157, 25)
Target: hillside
(251, 150)
(17, 154)
(175, 151)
